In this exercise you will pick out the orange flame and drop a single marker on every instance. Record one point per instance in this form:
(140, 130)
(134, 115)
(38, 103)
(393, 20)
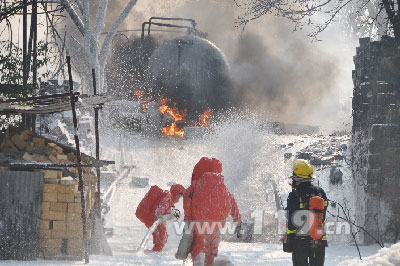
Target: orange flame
(166, 106)
(205, 118)
(177, 115)
(142, 98)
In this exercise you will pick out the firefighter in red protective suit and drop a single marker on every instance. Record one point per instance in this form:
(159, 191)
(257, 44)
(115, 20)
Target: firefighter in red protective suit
(155, 204)
(207, 200)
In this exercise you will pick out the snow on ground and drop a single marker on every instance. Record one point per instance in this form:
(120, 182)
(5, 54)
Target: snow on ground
(250, 157)
(242, 254)
(385, 257)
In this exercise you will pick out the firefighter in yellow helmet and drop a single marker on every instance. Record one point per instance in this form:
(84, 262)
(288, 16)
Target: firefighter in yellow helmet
(307, 246)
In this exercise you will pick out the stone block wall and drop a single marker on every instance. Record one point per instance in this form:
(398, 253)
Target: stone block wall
(61, 231)
(376, 138)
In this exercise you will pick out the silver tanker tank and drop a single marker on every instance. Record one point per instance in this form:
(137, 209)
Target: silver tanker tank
(192, 72)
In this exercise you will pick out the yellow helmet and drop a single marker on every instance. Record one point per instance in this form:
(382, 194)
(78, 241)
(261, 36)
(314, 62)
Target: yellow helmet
(302, 170)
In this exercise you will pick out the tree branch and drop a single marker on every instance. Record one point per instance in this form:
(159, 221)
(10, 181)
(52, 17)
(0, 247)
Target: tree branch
(74, 16)
(56, 35)
(98, 26)
(389, 11)
(14, 8)
(86, 19)
(330, 20)
(79, 5)
(348, 219)
(306, 12)
(108, 40)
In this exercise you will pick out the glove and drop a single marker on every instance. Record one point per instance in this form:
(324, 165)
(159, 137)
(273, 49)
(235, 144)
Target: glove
(288, 243)
(238, 230)
(176, 213)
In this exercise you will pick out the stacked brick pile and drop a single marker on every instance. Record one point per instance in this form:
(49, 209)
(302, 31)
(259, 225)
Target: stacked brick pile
(61, 225)
(376, 138)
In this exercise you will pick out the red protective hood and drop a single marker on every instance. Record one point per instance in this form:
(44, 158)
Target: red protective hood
(206, 165)
(176, 190)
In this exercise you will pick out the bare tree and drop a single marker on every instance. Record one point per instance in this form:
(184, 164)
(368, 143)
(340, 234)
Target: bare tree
(11, 54)
(366, 17)
(95, 53)
(11, 8)
(345, 214)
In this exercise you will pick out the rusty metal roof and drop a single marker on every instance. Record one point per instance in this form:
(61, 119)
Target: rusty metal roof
(48, 165)
(49, 104)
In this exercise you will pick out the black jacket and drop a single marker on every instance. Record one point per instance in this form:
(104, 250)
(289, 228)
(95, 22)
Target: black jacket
(298, 200)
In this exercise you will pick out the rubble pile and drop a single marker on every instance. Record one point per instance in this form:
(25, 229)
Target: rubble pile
(328, 153)
(322, 154)
(59, 127)
(376, 134)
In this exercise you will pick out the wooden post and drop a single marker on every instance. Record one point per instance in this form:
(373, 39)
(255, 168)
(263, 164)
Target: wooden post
(96, 128)
(78, 157)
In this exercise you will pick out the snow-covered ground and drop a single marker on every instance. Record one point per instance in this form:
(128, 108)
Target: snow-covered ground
(251, 158)
(385, 257)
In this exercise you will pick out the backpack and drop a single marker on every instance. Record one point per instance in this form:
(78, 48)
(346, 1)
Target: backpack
(146, 208)
(315, 204)
(210, 198)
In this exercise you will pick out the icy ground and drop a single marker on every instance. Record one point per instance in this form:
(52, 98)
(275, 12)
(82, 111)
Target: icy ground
(250, 157)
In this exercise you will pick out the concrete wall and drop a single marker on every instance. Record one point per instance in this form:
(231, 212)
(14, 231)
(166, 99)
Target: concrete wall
(376, 138)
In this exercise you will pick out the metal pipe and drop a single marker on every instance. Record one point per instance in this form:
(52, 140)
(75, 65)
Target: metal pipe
(163, 25)
(78, 158)
(139, 30)
(143, 25)
(192, 21)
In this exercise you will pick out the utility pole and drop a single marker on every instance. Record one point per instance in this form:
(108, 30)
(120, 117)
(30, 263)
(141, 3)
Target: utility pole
(34, 61)
(81, 186)
(24, 52)
(25, 44)
(34, 26)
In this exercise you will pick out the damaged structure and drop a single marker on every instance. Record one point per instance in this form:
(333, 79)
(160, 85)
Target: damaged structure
(167, 84)
(57, 200)
(376, 139)
(52, 206)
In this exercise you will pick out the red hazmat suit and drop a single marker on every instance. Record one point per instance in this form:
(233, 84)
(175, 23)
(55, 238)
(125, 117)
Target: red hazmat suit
(208, 200)
(158, 202)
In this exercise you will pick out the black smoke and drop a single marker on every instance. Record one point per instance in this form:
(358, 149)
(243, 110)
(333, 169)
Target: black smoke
(273, 69)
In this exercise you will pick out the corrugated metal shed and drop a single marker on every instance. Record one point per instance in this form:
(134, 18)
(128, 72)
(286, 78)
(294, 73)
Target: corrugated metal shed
(21, 196)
